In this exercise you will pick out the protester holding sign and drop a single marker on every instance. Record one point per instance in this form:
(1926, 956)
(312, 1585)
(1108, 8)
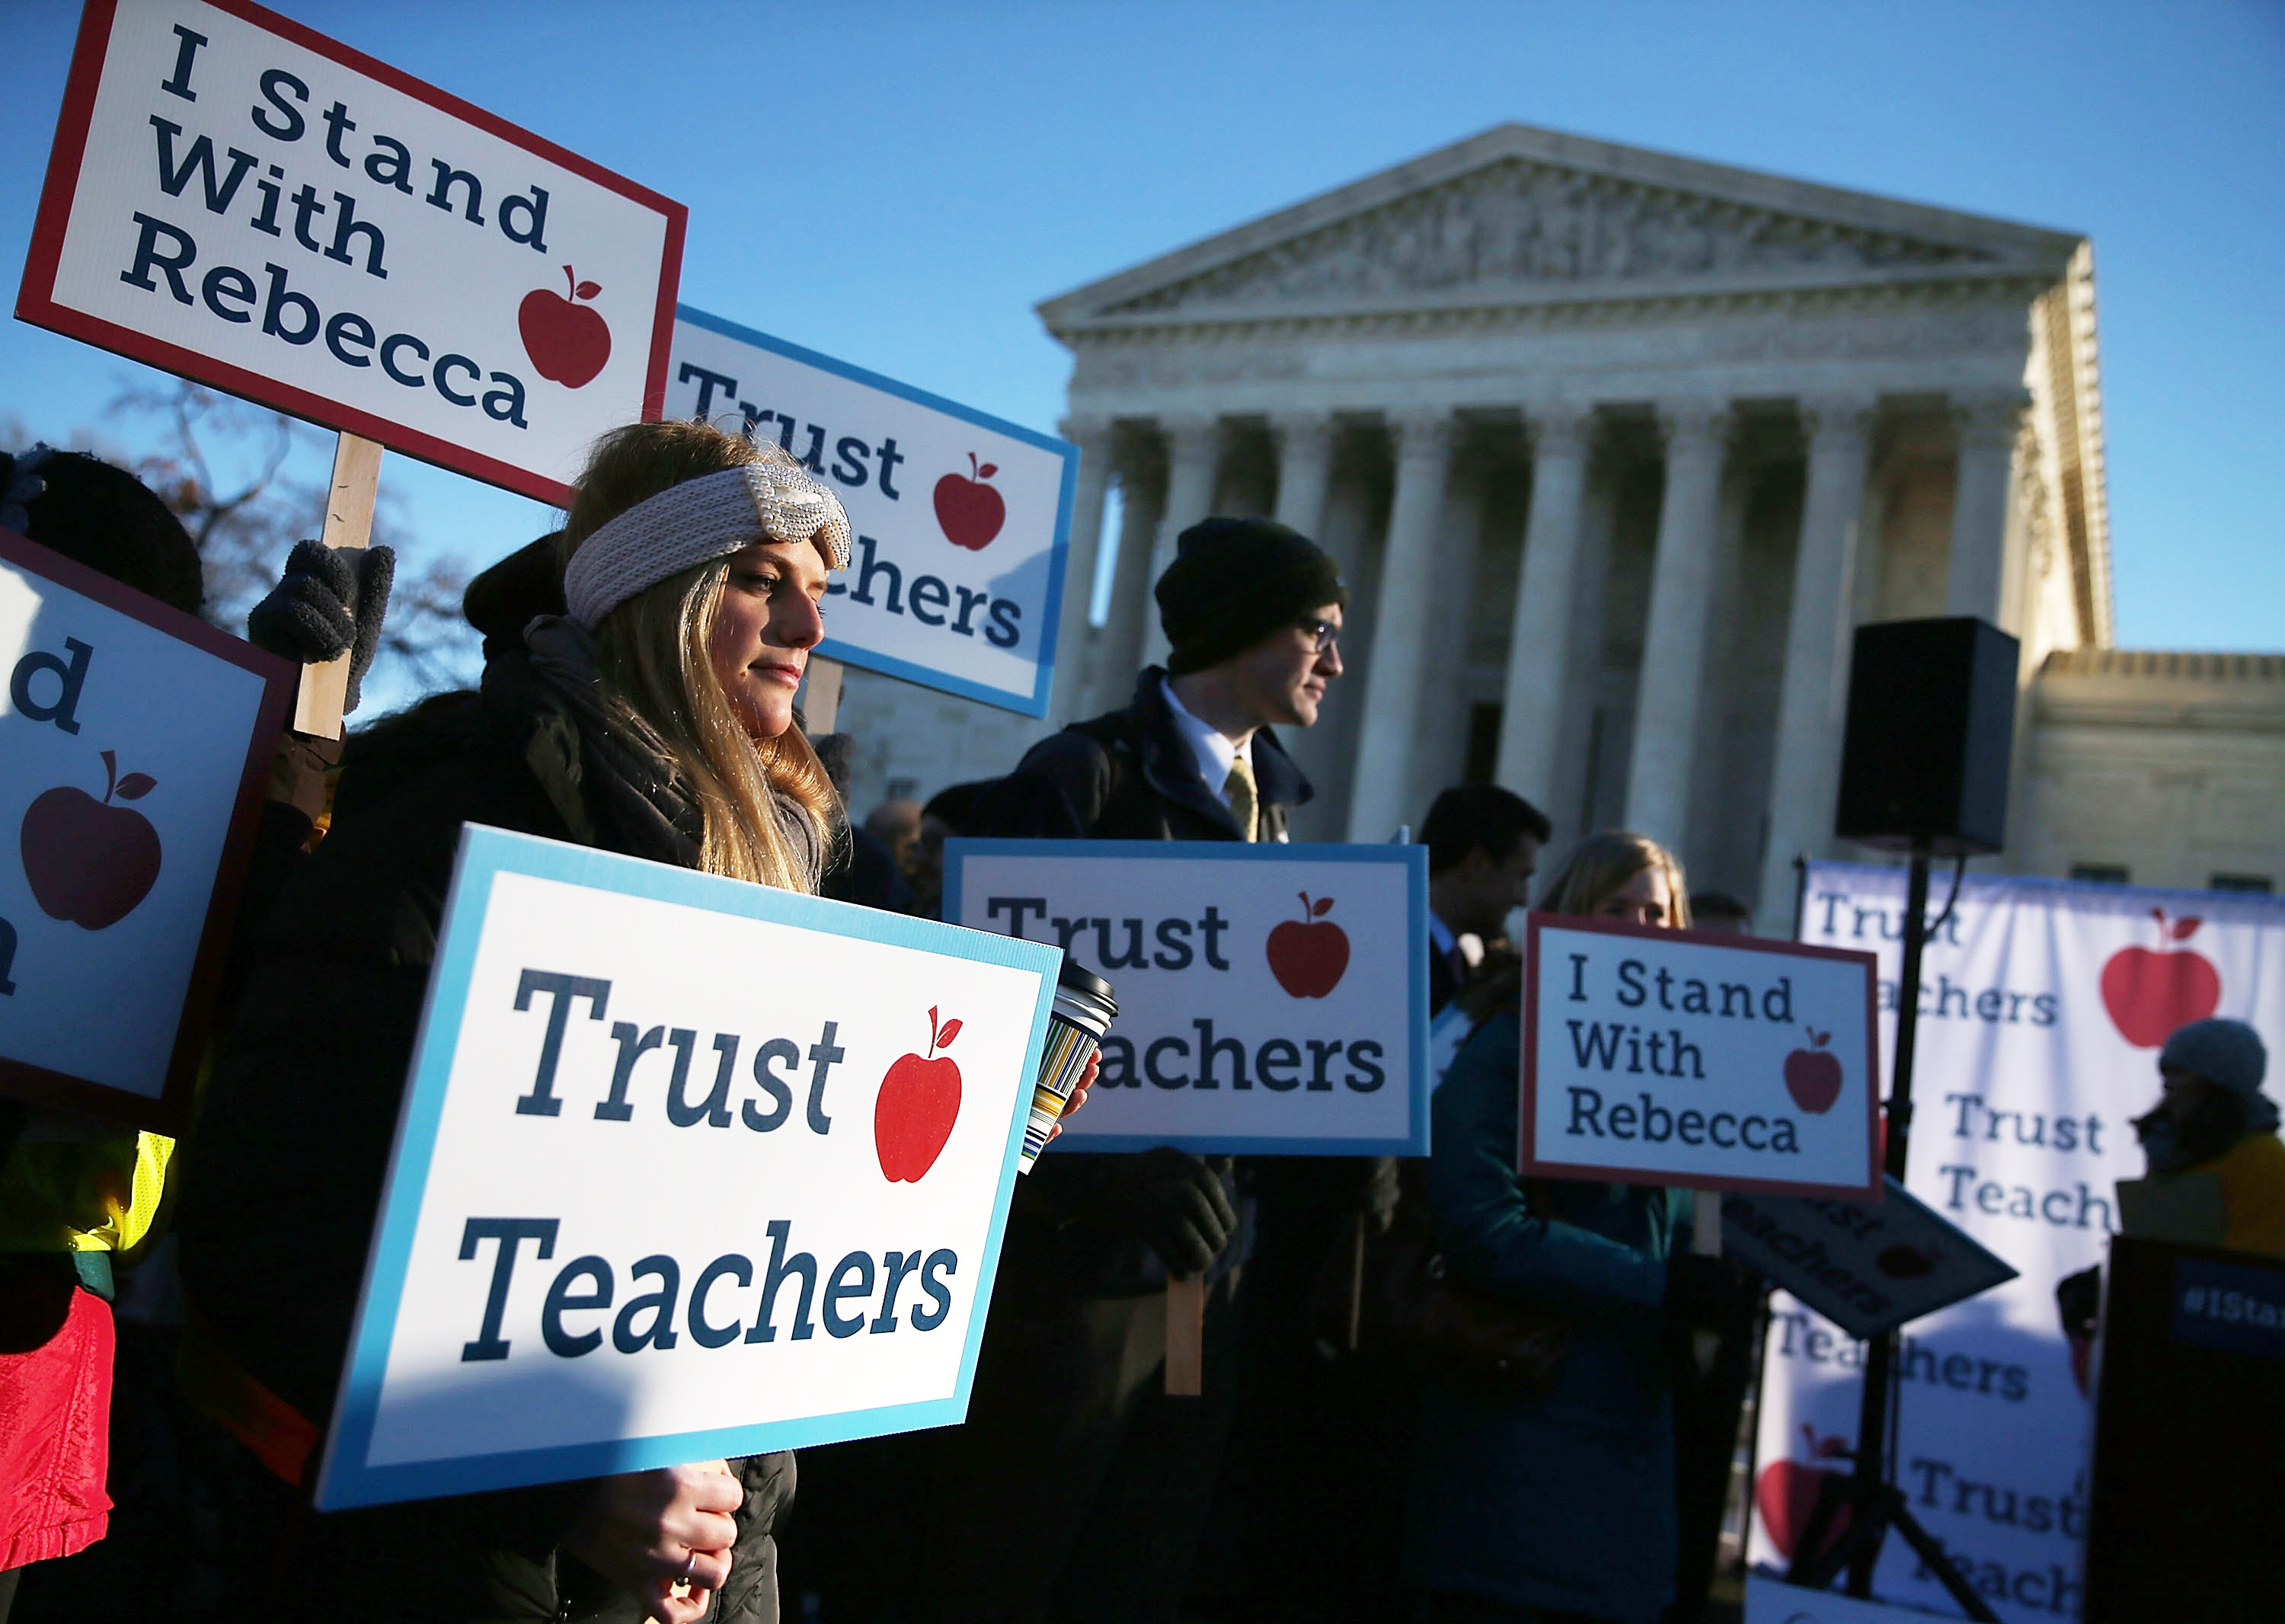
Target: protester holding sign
(1068, 1410)
(654, 719)
(76, 1195)
(1553, 1494)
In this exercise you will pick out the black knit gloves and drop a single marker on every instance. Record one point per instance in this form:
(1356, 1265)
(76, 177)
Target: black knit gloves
(1171, 1201)
(330, 601)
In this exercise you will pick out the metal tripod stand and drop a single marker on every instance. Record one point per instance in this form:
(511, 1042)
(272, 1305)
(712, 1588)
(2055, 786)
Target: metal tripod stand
(1869, 1496)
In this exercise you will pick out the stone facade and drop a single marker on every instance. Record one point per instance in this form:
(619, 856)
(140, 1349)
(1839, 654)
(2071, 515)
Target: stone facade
(1616, 449)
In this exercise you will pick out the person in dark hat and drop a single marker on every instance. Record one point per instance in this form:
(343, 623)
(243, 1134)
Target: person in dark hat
(1077, 1489)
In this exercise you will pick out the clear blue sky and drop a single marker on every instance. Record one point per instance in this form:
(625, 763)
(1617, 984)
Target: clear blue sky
(897, 184)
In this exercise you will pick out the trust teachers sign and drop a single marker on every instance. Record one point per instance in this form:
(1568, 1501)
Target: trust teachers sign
(236, 199)
(685, 1168)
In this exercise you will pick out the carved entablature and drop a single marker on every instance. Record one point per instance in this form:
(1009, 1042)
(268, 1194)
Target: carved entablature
(1516, 224)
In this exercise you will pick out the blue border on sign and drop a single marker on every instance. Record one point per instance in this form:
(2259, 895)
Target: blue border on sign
(486, 853)
(1412, 859)
(1059, 556)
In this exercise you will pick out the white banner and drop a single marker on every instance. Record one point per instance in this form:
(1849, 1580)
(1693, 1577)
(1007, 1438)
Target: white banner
(1273, 999)
(2041, 1005)
(686, 1167)
(240, 200)
(135, 743)
(962, 519)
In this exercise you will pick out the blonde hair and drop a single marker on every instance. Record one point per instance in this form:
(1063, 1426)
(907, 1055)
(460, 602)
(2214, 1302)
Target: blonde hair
(651, 653)
(1600, 865)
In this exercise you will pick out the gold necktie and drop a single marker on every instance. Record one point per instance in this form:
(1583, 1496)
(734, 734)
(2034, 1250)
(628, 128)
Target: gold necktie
(1244, 799)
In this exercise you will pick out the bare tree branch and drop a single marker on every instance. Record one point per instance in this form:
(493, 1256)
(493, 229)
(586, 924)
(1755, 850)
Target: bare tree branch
(224, 468)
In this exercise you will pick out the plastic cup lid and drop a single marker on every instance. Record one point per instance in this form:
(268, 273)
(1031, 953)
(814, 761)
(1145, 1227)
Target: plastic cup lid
(1080, 979)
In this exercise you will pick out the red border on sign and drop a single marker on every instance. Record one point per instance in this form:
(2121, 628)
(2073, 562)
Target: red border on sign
(169, 1111)
(35, 300)
(1530, 1166)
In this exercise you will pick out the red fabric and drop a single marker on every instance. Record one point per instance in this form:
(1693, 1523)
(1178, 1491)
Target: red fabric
(55, 1438)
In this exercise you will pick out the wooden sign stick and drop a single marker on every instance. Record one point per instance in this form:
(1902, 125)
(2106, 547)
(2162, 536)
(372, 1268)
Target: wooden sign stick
(348, 523)
(821, 695)
(1706, 1239)
(1186, 1337)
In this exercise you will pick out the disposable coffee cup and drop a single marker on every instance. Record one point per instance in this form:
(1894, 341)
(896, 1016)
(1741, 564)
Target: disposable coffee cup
(1083, 1011)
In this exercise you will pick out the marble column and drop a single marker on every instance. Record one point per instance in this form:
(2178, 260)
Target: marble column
(1674, 641)
(1194, 458)
(1111, 653)
(1093, 436)
(1382, 795)
(1978, 561)
(1304, 467)
(1813, 694)
(1539, 646)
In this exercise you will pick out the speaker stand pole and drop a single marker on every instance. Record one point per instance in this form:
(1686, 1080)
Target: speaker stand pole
(1875, 1505)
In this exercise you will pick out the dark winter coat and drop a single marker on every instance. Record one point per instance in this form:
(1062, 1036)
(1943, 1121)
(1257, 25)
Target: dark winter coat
(1129, 775)
(1566, 1503)
(280, 1204)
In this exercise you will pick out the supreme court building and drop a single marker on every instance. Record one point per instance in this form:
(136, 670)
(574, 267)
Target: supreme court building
(1616, 449)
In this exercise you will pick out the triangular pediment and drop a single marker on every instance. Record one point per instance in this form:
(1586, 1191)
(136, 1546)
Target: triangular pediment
(1528, 215)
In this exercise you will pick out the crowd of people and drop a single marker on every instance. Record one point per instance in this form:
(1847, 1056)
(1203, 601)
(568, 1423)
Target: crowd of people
(1431, 1391)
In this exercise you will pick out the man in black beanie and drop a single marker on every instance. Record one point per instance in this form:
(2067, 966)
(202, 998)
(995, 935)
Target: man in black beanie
(1078, 1489)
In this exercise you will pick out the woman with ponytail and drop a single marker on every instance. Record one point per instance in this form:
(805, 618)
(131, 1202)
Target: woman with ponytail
(653, 718)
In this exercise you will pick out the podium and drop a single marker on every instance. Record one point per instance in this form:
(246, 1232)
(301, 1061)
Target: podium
(2184, 1519)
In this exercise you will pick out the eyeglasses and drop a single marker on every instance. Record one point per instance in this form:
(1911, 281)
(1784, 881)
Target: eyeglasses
(1323, 635)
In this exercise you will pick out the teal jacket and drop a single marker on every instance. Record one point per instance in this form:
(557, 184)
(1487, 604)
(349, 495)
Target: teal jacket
(1566, 1503)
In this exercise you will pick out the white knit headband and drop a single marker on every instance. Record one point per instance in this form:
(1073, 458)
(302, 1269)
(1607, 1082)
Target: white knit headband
(700, 519)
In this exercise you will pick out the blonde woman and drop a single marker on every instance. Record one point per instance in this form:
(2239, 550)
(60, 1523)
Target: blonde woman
(654, 719)
(1556, 1505)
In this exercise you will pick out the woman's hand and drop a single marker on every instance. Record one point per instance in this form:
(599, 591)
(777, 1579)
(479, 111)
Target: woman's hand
(663, 1536)
(1078, 1095)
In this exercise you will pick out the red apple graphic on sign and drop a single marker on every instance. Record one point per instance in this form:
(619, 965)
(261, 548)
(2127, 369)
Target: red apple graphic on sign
(87, 861)
(1786, 1492)
(567, 341)
(970, 511)
(1813, 1076)
(2150, 992)
(918, 1104)
(1309, 955)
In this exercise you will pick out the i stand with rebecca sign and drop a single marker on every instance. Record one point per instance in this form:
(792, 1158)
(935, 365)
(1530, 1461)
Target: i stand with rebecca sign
(134, 742)
(1713, 1061)
(686, 1167)
(241, 200)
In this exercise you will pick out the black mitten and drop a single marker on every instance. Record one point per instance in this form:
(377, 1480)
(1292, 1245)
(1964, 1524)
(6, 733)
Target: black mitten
(376, 573)
(1169, 1200)
(329, 602)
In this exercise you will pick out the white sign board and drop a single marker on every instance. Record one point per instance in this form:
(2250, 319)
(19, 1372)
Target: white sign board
(1272, 999)
(135, 743)
(962, 520)
(1717, 1062)
(685, 1168)
(243, 202)
(2042, 1006)
(1769, 1600)
(1868, 1269)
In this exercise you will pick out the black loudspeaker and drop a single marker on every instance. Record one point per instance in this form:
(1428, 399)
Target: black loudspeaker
(1931, 729)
